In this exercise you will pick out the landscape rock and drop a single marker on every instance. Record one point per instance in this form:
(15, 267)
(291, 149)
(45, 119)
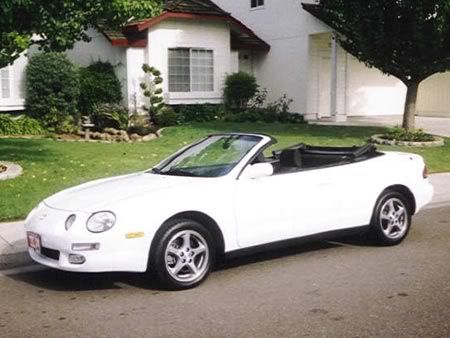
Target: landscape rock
(135, 138)
(149, 137)
(112, 131)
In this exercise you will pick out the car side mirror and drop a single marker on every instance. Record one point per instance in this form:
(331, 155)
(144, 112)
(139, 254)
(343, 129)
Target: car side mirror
(257, 170)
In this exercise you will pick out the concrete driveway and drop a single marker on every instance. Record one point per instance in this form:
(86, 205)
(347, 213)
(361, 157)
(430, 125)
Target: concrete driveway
(433, 125)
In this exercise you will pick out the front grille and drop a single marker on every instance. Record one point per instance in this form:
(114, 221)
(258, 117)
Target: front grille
(50, 253)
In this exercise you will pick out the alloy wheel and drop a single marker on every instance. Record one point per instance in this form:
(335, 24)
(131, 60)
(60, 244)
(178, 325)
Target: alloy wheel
(187, 256)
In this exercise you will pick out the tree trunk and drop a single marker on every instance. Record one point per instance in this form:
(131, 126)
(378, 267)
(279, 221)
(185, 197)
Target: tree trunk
(409, 115)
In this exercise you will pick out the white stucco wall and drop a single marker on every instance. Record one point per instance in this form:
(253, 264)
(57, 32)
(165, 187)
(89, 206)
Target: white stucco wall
(16, 100)
(98, 49)
(234, 61)
(191, 34)
(370, 92)
(298, 66)
(361, 91)
(434, 96)
(286, 27)
(136, 57)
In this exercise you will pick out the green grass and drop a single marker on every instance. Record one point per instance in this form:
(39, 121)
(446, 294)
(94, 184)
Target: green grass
(50, 166)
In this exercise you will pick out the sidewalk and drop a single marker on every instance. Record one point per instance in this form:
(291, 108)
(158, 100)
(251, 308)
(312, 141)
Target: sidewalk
(13, 246)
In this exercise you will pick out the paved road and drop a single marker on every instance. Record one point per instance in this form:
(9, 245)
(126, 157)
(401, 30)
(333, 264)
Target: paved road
(345, 289)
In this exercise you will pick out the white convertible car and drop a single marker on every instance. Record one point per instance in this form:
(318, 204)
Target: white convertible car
(220, 195)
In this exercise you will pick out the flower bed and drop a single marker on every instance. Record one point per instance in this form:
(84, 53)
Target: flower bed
(382, 139)
(400, 137)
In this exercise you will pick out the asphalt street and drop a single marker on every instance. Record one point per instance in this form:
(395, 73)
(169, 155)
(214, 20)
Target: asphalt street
(328, 289)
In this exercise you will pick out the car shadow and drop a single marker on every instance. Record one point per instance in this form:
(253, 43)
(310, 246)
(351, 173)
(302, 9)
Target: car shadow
(290, 248)
(56, 280)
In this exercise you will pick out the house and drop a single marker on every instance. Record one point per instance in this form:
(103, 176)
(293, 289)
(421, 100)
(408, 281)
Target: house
(195, 43)
(12, 89)
(325, 82)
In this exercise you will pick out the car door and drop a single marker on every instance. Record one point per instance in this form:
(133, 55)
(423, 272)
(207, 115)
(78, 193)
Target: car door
(361, 188)
(285, 206)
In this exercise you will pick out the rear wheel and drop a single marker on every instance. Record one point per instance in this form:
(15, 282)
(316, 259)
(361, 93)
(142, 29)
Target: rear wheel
(391, 219)
(183, 254)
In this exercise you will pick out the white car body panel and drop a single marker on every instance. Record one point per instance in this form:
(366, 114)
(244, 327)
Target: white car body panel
(248, 212)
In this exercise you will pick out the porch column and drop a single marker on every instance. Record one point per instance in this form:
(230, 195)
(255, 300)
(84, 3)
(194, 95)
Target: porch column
(337, 112)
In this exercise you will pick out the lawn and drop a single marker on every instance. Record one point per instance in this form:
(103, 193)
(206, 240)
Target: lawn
(50, 166)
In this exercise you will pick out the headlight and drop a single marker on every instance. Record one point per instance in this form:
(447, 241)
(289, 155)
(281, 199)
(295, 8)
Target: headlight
(101, 221)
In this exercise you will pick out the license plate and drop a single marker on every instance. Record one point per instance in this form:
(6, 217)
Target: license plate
(34, 241)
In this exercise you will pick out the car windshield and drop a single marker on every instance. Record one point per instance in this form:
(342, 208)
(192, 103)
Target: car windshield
(214, 156)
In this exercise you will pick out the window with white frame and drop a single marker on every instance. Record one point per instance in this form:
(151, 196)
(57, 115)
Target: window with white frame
(256, 3)
(5, 83)
(191, 70)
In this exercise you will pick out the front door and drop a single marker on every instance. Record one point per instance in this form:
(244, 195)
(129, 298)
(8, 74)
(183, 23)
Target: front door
(324, 92)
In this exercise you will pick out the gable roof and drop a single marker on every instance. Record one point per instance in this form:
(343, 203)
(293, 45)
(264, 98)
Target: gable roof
(314, 10)
(242, 37)
(194, 6)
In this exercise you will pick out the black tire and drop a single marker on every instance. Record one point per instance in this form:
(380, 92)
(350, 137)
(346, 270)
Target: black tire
(163, 264)
(390, 223)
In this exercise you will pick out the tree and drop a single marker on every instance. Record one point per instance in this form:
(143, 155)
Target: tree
(57, 25)
(408, 39)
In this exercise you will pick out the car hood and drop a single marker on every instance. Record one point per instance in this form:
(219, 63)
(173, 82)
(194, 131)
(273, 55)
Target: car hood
(101, 194)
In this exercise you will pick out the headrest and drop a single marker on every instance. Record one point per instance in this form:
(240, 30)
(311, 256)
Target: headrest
(290, 158)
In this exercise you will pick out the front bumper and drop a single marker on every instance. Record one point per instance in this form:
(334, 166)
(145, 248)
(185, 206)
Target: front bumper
(115, 252)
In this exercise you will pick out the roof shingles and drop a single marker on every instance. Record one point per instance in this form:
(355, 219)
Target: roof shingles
(242, 36)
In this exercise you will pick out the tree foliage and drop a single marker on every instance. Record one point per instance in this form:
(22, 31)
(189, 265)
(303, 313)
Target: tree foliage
(408, 39)
(239, 89)
(52, 90)
(98, 84)
(56, 25)
(153, 91)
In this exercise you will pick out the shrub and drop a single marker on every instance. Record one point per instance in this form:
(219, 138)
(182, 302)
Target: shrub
(153, 91)
(109, 115)
(239, 89)
(98, 84)
(140, 124)
(280, 108)
(21, 125)
(52, 89)
(277, 111)
(166, 117)
(400, 134)
(258, 100)
(198, 112)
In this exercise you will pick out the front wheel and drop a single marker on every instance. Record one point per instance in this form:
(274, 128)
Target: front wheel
(183, 254)
(391, 219)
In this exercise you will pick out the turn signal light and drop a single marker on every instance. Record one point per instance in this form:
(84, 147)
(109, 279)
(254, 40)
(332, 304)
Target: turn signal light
(76, 259)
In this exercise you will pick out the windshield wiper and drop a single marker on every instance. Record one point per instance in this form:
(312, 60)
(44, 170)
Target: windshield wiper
(156, 171)
(178, 172)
